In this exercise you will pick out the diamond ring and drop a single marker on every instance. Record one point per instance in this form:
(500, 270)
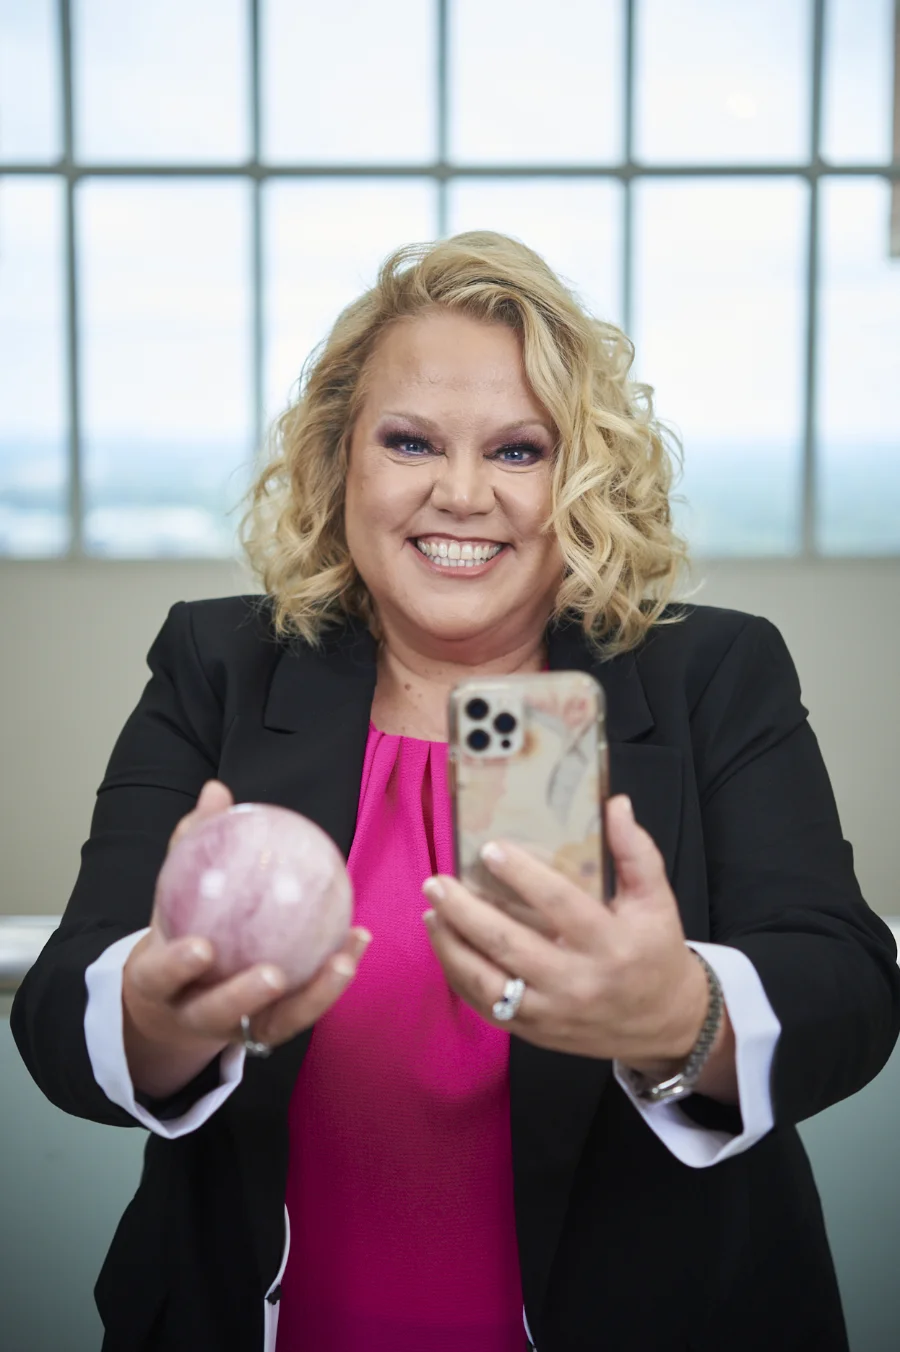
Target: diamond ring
(508, 1005)
(251, 1047)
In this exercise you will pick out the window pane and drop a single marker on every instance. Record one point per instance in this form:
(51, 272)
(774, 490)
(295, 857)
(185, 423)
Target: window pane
(722, 81)
(348, 82)
(858, 108)
(859, 358)
(165, 81)
(324, 241)
(165, 364)
(532, 86)
(30, 117)
(720, 306)
(33, 471)
(574, 224)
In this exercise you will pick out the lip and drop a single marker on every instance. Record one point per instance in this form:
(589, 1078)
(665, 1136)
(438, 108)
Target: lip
(457, 574)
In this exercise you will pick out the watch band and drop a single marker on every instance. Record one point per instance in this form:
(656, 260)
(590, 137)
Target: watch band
(681, 1085)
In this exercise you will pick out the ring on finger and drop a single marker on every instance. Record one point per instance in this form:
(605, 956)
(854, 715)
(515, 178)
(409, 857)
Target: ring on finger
(507, 1007)
(250, 1045)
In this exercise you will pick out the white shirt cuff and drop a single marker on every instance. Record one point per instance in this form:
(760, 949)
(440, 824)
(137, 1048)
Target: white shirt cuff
(104, 1036)
(756, 1032)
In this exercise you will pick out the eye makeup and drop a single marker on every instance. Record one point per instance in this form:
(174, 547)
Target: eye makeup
(533, 450)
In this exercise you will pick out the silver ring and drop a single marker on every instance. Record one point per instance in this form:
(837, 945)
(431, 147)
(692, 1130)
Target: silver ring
(251, 1047)
(507, 1007)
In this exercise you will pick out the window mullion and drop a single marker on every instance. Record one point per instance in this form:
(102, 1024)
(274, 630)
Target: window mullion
(75, 494)
(810, 467)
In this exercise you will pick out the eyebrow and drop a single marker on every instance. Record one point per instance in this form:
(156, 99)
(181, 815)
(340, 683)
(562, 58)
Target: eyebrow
(510, 430)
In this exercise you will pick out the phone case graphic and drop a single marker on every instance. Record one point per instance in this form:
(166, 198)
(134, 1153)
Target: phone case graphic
(529, 767)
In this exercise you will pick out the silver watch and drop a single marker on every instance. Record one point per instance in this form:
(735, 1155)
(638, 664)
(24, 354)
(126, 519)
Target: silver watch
(681, 1085)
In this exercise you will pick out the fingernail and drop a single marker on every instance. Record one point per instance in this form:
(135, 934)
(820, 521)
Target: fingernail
(491, 853)
(434, 889)
(343, 967)
(363, 937)
(198, 951)
(271, 977)
(429, 917)
(628, 806)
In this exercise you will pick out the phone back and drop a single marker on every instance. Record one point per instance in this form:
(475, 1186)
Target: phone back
(528, 764)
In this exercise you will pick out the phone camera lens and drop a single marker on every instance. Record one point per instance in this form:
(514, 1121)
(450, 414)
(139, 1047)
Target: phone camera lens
(477, 709)
(504, 723)
(478, 739)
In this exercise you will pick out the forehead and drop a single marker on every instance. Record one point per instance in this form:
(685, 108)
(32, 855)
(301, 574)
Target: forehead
(447, 354)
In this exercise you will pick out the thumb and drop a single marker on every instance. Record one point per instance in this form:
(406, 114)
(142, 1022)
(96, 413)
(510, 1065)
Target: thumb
(214, 797)
(639, 866)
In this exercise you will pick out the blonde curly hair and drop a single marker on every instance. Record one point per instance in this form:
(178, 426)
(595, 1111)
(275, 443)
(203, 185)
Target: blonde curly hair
(612, 471)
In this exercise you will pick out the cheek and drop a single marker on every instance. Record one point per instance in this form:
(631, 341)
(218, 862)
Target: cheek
(378, 506)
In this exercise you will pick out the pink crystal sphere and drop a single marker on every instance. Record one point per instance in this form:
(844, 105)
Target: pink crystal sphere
(263, 884)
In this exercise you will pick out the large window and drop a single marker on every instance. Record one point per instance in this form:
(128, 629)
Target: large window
(190, 191)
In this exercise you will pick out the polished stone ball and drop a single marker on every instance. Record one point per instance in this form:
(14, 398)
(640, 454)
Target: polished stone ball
(263, 884)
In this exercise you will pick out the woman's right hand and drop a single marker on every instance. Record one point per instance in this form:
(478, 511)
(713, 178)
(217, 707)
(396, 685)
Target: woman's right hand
(173, 1028)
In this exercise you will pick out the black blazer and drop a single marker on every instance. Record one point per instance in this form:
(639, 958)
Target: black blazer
(621, 1246)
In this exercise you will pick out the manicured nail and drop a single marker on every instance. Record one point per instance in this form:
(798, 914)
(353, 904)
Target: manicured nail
(628, 806)
(271, 977)
(363, 937)
(198, 951)
(434, 889)
(429, 917)
(343, 967)
(491, 853)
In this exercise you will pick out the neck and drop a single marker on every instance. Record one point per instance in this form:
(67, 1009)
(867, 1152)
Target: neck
(413, 684)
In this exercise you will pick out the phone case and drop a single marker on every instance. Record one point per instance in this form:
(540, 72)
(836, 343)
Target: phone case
(528, 763)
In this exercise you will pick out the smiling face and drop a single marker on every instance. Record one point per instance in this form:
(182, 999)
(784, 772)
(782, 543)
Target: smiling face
(448, 487)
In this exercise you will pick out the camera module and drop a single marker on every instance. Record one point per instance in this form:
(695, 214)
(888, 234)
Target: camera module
(478, 739)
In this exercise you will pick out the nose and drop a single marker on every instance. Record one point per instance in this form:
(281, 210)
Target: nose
(463, 484)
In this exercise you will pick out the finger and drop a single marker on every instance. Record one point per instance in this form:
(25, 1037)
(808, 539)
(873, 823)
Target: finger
(214, 797)
(160, 969)
(292, 1014)
(513, 947)
(473, 977)
(639, 865)
(216, 1012)
(569, 911)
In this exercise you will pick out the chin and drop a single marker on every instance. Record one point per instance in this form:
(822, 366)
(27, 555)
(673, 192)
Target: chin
(457, 625)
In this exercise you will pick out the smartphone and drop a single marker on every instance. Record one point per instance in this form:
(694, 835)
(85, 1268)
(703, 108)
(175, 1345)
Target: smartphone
(528, 762)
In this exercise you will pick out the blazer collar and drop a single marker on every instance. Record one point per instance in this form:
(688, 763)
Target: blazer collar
(308, 681)
(342, 672)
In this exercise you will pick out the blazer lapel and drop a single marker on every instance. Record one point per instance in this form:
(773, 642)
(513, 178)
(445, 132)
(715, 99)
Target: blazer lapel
(307, 753)
(554, 1096)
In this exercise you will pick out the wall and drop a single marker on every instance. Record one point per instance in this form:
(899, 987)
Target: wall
(72, 666)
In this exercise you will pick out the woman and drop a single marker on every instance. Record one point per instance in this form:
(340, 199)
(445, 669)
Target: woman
(469, 483)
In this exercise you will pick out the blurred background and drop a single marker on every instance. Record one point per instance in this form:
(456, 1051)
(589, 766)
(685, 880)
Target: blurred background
(190, 191)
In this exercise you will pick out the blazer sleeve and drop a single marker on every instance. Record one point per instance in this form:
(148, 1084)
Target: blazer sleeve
(166, 751)
(781, 881)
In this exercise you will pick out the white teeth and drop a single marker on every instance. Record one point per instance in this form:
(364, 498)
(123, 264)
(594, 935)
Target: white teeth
(452, 554)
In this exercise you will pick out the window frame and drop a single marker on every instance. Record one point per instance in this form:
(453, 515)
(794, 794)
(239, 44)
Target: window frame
(442, 171)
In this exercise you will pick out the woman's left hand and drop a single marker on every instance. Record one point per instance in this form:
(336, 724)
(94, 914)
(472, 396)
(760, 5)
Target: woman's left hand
(618, 983)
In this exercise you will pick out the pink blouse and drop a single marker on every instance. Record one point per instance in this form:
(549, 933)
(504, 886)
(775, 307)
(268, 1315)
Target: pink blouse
(400, 1187)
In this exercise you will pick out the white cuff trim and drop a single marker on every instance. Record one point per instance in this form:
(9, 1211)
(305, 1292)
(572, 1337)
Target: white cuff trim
(756, 1033)
(104, 1036)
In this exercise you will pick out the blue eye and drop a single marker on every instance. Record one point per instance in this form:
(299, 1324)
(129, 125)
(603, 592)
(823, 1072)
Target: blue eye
(399, 441)
(526, 454)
